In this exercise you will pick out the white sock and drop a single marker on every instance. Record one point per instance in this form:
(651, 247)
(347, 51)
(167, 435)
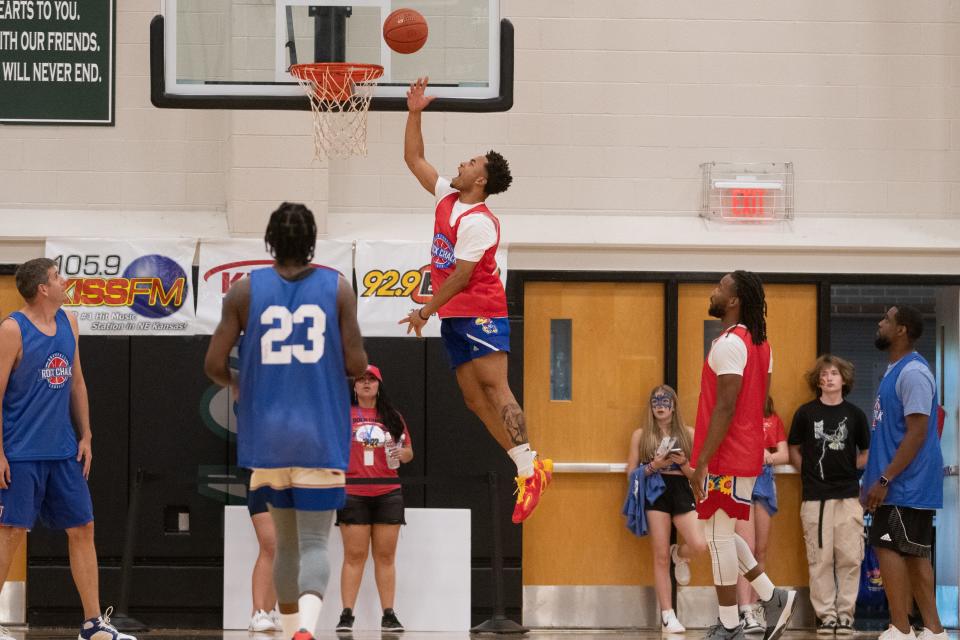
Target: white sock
(522, 456)
(310, 605)
(730, 617)
(762, 585)
(665, 615)
(290, 623)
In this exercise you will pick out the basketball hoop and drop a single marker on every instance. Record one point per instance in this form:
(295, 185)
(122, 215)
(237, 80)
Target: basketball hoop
(339, 94)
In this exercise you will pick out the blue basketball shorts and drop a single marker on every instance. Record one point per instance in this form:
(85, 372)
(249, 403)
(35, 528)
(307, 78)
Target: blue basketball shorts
(469, 338)
(53, 490)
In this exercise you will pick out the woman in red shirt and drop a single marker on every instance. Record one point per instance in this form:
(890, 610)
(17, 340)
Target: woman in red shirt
(756, 530)
(373, 513)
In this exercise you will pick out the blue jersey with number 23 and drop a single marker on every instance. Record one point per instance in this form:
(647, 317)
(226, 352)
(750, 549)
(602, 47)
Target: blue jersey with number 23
(294, 405)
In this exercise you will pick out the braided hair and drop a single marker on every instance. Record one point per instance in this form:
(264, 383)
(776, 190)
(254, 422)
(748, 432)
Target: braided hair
(291, 234)
(753, 304)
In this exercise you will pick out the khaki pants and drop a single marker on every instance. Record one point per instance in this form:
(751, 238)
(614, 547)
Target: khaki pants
(833, 532)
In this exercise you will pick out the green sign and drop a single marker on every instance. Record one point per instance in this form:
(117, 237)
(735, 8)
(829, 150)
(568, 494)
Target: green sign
(57, 61)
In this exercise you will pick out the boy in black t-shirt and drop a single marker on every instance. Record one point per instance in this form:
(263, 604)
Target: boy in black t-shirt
(828, 443)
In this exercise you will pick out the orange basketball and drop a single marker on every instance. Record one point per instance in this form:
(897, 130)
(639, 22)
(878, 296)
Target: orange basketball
(405, 31)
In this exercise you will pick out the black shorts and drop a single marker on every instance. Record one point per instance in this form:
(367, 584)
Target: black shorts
(385, 509)
(907, 531)
(676, 499)
(256, 502)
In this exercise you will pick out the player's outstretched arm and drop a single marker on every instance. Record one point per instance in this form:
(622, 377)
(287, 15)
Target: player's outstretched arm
(453, 285)
(217, 362)
(354, 356)
(413, 153)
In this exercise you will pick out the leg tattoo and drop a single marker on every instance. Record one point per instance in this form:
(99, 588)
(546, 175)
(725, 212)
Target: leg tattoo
(515, 423)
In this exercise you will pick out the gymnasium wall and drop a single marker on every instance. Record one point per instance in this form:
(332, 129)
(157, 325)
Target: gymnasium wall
(617, 103)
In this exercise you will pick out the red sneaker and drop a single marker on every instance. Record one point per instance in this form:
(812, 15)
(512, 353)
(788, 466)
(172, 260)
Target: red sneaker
(303, 634)
(530, 489)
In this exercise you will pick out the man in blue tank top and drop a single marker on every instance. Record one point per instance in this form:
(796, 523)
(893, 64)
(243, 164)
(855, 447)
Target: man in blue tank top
(904, 476)
(43, 466)
(300, 342)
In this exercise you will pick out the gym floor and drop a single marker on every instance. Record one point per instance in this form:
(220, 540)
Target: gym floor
(586, 634)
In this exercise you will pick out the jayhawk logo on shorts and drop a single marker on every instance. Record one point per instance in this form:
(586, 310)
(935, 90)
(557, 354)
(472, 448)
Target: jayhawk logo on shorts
(488, 326)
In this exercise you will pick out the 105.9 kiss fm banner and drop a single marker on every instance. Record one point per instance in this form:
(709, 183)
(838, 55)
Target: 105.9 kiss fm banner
(127, 288)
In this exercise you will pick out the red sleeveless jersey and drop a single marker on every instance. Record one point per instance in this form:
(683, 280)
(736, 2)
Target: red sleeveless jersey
(483, 296)
(741, 452)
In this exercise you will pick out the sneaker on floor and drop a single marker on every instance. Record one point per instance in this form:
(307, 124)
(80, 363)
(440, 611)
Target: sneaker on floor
(100, 629)
(926, 634)
(845, 627)
(752, 621)
(346, 621)
(681, 566)
(672, 624)
(778, 610)
(389, 622)
(530, 489)
(275, 619)
(892, 633)
(719, 632)
(261, 622)
(827, 627)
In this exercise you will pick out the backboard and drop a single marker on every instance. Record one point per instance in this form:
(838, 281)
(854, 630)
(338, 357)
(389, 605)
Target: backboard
(236, 54)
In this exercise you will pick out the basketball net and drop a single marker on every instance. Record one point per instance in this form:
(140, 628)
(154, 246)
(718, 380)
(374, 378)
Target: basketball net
(339, 94)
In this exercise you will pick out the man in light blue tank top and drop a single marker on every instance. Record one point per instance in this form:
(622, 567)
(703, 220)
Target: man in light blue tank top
(903, 480)
(300, 342)
(44, 406)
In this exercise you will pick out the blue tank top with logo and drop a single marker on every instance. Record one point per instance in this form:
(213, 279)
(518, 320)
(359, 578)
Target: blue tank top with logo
(294, 405)
(36, 405)
(920, 484)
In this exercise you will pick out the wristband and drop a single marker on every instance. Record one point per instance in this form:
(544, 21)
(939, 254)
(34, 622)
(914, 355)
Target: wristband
(420, 315)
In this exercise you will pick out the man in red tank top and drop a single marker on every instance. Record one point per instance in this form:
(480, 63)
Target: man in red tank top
(728, 450)
(469, 297)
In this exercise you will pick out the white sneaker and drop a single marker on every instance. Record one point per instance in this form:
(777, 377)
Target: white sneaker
(681, 567)
(892, 633)
(275, 617)
(751, 621)
(261, 622)
(671, 624)
(926, 634)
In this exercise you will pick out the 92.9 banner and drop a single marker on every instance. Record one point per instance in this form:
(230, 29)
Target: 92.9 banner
(391, 283)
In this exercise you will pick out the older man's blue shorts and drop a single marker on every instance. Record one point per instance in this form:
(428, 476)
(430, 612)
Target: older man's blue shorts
(54, 491)
(469, 338)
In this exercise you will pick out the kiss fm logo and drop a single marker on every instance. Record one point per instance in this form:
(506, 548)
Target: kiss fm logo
(153, 286)
(56, 371)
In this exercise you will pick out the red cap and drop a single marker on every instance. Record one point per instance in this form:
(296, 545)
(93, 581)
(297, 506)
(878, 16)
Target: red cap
(375, 372)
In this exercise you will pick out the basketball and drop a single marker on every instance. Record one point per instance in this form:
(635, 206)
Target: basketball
(405, 31)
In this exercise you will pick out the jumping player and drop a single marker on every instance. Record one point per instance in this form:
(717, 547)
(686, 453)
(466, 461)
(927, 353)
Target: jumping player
(300, 341)
(469, 297)
(728, 450)
(43, 466)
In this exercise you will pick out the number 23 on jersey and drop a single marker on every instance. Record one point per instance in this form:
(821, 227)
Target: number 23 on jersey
(281, 321)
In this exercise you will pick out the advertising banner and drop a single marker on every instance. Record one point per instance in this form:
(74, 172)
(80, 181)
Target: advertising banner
(223, 262)
(393, 278)
(127, 288)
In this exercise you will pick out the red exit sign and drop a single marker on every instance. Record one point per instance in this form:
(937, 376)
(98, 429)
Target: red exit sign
(747, 203)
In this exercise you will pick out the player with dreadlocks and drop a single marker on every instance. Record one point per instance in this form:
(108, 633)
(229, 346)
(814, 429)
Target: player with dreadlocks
(728, 450)
(300, 342)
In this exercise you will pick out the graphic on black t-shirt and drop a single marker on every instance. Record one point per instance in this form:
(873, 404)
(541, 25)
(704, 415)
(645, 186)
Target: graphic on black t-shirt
(835, 440)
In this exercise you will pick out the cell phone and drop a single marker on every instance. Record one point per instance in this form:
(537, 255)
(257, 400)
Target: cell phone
(677, 450)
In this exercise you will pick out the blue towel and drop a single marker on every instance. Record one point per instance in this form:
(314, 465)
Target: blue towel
(641, 490)
(765, 490)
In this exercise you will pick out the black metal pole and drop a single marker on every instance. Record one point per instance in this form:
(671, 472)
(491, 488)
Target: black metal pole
(499, 623)
(120, 619)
